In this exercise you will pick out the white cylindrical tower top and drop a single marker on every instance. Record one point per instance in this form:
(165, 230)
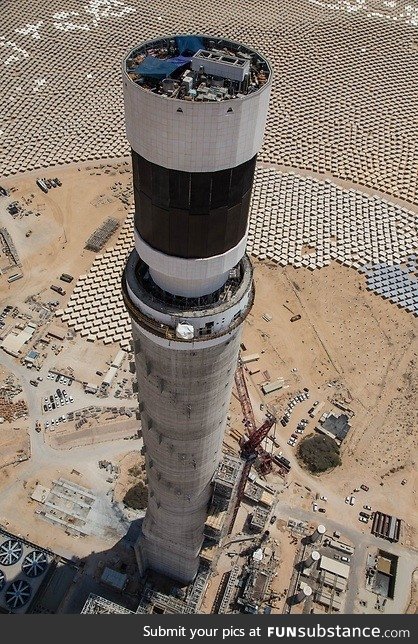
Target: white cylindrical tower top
(195, 103)
(318, 533)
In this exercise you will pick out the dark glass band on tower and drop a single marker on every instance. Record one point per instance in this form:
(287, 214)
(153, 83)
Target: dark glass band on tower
(191, 214)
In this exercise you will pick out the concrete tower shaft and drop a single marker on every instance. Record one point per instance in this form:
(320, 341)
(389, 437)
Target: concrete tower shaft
(195, 109)
(184, 397)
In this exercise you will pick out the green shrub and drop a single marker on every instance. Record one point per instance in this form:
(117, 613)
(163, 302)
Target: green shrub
(137, 497)
(319, 453)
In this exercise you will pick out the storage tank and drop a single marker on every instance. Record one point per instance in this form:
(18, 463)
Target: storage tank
(317, 534)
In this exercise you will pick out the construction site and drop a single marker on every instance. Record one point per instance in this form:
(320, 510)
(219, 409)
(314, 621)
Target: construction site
(130, 313)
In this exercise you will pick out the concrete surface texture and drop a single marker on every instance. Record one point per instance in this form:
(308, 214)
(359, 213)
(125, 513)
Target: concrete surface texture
(184, 398)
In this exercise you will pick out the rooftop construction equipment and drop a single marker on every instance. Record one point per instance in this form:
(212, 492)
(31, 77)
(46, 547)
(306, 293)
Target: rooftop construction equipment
(197, 68)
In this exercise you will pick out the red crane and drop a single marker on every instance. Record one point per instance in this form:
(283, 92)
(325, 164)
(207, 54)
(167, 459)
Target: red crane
(251, 446)
(250, 450)
(244, 397)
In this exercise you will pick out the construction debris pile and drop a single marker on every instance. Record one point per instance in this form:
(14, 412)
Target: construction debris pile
(107, 414)
(9, 248)
(101, 235)
(9, 410)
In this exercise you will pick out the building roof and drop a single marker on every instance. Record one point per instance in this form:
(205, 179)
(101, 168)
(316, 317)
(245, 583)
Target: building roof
(14, 342)
(324, 597)
(329, 579)
(31, 356)
(57, 332)
(337, 425)
(216, 518)
(111, 373)
(40, 493)
(267, 499)
(384, 565)
(336, 567)
(114, 578)
(119, 358)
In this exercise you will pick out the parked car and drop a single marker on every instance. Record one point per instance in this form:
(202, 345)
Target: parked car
(363, 519)
(322, 510)
(365, 487)
(346, 559)
(366, 507)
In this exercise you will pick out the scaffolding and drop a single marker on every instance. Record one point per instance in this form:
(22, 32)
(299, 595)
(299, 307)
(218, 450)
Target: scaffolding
(230, 589)
(153, 601)
(194, 599)
(96, 605)
(226, 477)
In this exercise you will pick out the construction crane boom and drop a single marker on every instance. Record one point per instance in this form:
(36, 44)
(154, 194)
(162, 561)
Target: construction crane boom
(250, 446)
(250, 449)
(244, 398)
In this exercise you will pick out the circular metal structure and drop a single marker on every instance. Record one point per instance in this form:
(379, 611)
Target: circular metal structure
(18, 594)
(35, 563)
(2, 579)
(10, 552)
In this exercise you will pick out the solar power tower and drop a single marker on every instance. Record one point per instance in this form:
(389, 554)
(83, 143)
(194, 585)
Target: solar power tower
(195, 112)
